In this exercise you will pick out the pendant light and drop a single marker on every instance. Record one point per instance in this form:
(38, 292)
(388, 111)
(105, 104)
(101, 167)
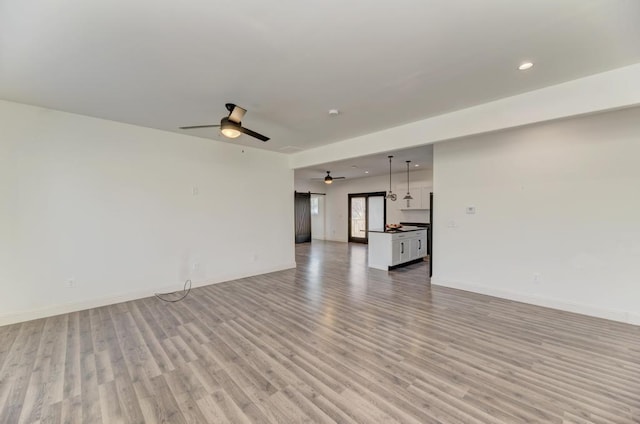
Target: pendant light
(390, 195)
(408, 196)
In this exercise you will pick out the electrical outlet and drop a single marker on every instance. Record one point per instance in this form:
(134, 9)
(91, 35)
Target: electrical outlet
(536, 278)
(70, 283)
(196, 266)
(195, 190)
(471, 210)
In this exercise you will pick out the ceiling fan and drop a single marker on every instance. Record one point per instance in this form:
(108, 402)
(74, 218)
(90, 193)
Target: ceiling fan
(329, 179)
(231, 125)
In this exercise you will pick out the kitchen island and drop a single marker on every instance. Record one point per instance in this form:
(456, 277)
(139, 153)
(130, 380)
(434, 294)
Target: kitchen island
(390, 249)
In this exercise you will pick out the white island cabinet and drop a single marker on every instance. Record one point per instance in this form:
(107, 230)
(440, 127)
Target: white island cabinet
(390, 249)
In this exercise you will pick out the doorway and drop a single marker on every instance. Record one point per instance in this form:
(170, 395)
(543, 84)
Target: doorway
(367, 212)
(302, 212)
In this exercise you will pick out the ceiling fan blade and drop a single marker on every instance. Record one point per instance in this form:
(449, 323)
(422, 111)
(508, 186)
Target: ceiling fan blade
(199, 126)
(325, 178)
(236, 113)
(247, 131)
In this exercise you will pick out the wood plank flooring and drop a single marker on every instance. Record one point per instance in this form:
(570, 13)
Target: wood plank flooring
(331, 341)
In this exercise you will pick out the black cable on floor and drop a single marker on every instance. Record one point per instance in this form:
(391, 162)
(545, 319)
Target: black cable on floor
(185, 290)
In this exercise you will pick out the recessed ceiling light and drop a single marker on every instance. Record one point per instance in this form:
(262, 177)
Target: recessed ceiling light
(525, 65)
(334, 112)
(416, 165)
(366, 172)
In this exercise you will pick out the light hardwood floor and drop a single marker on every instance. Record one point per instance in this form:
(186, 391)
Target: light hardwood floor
(332, 341)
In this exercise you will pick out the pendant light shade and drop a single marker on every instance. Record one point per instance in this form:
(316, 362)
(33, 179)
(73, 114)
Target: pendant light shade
(408, 196)
(390, 195)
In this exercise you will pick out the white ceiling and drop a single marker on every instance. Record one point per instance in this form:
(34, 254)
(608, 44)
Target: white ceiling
(163, 64)
(370, 166)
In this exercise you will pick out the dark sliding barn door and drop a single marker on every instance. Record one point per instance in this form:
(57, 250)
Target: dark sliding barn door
(302, 207)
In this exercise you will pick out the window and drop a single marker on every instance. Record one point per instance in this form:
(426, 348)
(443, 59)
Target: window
(314, 206)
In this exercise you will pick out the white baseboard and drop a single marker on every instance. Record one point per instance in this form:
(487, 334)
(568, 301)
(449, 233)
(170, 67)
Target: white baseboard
(594, 311)
(634, 318)
(49, 311)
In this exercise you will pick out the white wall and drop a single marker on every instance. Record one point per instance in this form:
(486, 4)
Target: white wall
(337, 202)
(111, 206)
(304, 185)
(559, 200)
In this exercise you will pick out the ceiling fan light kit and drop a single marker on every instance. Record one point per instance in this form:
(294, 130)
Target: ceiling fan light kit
(229, 129)
(328, 179)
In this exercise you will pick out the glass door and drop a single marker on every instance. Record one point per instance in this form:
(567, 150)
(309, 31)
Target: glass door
(376, 213)
(367, 211)
(358, 219)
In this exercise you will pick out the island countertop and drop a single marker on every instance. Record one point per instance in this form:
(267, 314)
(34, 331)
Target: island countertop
(398, 230)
